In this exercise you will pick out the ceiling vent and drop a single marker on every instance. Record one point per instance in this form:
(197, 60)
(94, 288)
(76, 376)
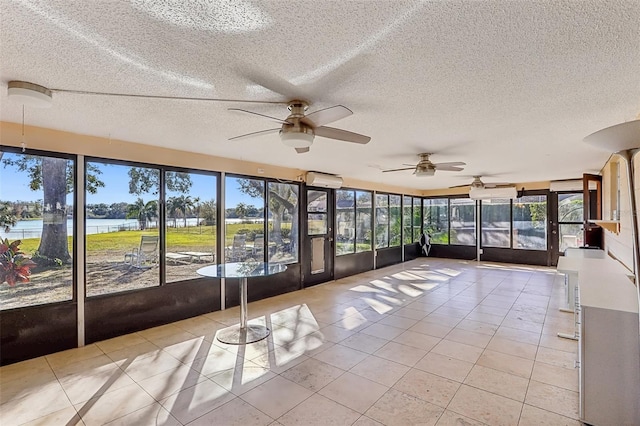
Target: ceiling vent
(323, 180)
(488, 193)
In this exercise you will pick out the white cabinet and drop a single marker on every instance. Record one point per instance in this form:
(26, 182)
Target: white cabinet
(609, 350)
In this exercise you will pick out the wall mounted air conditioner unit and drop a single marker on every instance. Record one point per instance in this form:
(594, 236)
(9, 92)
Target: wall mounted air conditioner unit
(488, 193)
(323, 180)
(570, 185)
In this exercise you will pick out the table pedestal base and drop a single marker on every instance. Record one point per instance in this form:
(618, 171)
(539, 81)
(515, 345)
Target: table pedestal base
(235, 335)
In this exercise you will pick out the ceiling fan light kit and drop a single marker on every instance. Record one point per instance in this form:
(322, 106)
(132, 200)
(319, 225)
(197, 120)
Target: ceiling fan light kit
(301, 139)
(30, 94)
(425, 172)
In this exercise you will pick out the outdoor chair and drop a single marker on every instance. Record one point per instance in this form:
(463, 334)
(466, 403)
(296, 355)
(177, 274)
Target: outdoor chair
(239, 248)
(146, 254)
(258, 247)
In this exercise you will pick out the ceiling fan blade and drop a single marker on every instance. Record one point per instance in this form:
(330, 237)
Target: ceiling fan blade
(341, 135)
(277, 120)
(326, 116)
(276, 85)
(250, 135)
(458, 186)
(302, 150)
(450, 169)
(399, 170)
(453, 163)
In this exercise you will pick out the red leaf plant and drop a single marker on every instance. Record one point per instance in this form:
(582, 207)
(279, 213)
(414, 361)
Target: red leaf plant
(14, 266)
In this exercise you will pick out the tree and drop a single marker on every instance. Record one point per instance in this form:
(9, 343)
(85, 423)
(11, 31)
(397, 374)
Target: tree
(172, 207)
(146, 180)
(209, 212)
(183, 203)
(7, 217)
(143, 212)
(283, 199)
(241, 210)
(55, 176)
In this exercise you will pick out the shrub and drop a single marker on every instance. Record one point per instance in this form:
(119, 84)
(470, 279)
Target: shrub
(14, 266)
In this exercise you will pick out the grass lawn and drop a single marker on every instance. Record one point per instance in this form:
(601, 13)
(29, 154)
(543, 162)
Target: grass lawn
(177, 238)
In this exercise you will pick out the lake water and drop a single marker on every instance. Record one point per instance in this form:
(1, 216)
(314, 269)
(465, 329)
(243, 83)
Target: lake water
(33, 228)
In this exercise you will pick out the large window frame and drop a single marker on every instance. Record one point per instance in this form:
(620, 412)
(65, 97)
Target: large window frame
(74, 227)
(202, 253)
(528, 196)
(407, 219)
(280, 243)
(388, 208)
(575, 237)
(492, 223)
(348, 210)
(163, 220)
(382, 221)
(431, 208)
(458, 214)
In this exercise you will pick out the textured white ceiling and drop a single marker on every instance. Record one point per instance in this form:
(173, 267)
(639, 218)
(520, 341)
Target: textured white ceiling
(510, 88)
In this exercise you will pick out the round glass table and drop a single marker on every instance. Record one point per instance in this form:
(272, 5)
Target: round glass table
(242, 333)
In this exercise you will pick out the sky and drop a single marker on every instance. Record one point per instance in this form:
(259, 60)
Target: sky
(14, 186)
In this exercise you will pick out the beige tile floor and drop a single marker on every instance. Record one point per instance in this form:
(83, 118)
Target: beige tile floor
(429, 342)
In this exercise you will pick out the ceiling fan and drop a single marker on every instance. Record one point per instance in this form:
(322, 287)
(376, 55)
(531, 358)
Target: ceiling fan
(477, 183)
(426, 168)
(299, 130)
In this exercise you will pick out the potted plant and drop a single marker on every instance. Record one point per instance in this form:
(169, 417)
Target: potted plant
(15, 267)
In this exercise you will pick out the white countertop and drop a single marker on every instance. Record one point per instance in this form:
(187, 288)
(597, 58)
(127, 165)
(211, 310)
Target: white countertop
(575, 264)
(603, 283)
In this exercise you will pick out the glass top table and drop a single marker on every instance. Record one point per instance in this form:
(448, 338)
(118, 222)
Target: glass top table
(242, 333)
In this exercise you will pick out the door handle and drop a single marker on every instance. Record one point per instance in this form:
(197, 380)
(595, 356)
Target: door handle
(330, 239)
(554, 232)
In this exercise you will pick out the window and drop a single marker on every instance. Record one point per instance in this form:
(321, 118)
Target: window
(530, 222)
(417, 219)
(496, 223)
(317, 221)
(345, 222)
(570, 217)
(463, 221)
(363, 221)
(36, 207)
(407, 219)
(436, 219)
(382, 221)
(395, 219)
(244, 219)
(122, 233)
(353, 221)
(190, 200)
(283, 216)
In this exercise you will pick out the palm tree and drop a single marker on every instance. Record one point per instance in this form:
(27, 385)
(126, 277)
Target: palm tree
(143, 212)
(184, 203)
(172, 207)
